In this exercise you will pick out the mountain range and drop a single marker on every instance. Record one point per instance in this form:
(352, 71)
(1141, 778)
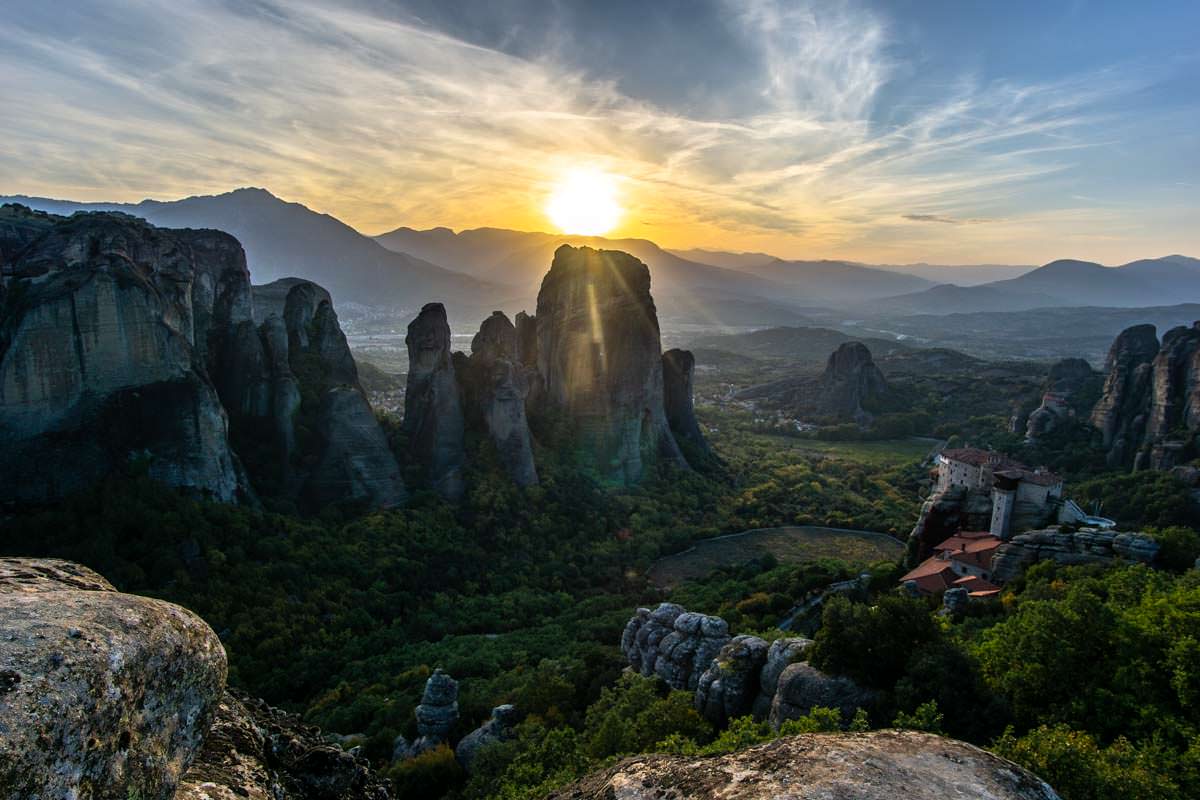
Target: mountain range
(488, 268)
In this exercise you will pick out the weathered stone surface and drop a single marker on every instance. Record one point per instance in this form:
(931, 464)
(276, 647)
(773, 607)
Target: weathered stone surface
(1064, 381)
(1086, 546)
(729, 685)
(954, 601)
(105, 694)
(847, 390)
(135, 344)
(497, 729)
(436, 714)
(803, 687)
(782, 654)
(1122, 411)
(600, 360)
(98, 337)
(678, 369)
(433, 416)
(643, 633)
(256, 752)
(496, 385)
(686, 652)
(881, 765)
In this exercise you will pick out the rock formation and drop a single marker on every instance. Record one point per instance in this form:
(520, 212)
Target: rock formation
(498, 728)
(1086, 546)
(1151, 394)
(678, 369)
(674, 644)
(802, 687)
(433, 416)
(848, 389)
(729, 686)
(103, 328)
(944, 513)
(495, 386)
(881, 765)
(781, 655)
(600, 360)
(122, 344)
(102, 694)
(1066, 380)
(436, 714)
(255, 752)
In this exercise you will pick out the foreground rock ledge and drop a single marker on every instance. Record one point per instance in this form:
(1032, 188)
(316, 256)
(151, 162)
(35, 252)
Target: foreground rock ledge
(102, 694)
(881, 765)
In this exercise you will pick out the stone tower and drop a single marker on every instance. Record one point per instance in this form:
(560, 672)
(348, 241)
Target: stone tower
(1004, 500)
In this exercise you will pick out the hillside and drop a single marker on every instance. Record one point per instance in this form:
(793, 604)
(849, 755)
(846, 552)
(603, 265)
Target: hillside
(288, 239)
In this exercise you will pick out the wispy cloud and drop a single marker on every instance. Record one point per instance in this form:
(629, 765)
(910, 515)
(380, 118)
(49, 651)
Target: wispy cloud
(383, 122)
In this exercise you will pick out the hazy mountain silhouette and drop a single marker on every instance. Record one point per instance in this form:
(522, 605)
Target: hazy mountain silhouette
(288, 239)
(1066, 283)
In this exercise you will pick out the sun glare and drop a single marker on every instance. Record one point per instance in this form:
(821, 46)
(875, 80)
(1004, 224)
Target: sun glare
(584, 202)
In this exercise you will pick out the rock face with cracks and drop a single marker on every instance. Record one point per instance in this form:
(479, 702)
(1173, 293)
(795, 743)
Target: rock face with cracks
(433, 415)
(881, 765)
(102, 694)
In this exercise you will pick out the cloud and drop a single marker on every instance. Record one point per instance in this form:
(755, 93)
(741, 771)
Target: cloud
(385, 121)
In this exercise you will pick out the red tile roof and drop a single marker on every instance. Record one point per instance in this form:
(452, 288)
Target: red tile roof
(1001, 463)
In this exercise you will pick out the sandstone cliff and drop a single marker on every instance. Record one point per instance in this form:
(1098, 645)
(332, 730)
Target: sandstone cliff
(600, 360)
(882, 765)
(127, 346)
(679, 367)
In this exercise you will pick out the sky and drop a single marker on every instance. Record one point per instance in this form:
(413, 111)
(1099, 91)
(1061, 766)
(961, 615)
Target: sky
(893, 131)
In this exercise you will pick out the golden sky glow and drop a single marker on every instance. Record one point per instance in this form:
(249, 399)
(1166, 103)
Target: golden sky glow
(384, 122)
(584, 202)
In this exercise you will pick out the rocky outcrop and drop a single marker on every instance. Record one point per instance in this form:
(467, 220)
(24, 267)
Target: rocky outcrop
(124, 346)
(495, 387)
(102, 694)
(255, 752)
(600, 360)
(802, 687)
(499, 728)
(433, 416)
(678, 369)
(729, 686)
(437, 715)
(881, 765)
(781, 655)
(1151, 394)
(850, 388)
(102, 344)
(1086, 546)
(1066, 380)
(674, 644)
(946, 512)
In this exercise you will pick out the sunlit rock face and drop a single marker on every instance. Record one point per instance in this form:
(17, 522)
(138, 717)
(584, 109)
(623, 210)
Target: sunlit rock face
(599, 357)
(433, 415)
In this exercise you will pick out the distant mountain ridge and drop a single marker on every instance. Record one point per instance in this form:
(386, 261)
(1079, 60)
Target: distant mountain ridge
(1066, 283)
(288, 239)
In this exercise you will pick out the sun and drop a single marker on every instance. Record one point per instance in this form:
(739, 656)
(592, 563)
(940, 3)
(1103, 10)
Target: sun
(584, 202)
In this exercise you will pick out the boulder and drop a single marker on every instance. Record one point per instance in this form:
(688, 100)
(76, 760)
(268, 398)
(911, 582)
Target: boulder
(498, 728)
(781, 654)
(644, 631)
(678, 369)
(436, 714)
(802, 687)
(600, 360)
(433, 415)
(1065, 380)
(256, 752)
(880, 765)
(729, 685)
(102, 694)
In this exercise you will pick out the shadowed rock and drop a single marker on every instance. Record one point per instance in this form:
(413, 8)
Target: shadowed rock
(728, 687)
(497, 729)
(496, 387)
(433, 416)
(803, 687)
(678, 369)
(599, 356)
